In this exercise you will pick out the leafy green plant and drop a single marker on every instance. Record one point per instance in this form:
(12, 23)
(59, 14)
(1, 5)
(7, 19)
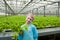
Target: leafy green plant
(14, 22)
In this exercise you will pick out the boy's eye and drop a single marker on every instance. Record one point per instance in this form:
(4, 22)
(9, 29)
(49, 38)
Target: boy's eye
(29, 18)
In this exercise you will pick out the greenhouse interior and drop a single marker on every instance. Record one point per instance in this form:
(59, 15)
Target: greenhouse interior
(46, 18)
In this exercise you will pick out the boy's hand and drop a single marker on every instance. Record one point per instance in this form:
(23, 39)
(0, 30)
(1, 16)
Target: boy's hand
(21, 32)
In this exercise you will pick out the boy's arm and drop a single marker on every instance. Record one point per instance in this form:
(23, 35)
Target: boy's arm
(20, 37)
(35, 33)
(20, 34)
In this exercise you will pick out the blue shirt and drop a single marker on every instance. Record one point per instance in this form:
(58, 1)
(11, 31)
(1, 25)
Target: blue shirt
(31, 34)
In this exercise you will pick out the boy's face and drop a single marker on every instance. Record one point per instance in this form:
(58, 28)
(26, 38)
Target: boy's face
(29, 19)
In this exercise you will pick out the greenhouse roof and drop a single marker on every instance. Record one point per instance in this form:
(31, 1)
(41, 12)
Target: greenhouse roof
(22, 6)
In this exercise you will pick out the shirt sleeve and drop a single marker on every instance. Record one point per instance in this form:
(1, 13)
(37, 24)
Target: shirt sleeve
(35, 33)
(20, 37)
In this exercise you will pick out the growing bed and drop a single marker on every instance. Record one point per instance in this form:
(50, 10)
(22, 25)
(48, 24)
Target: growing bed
(46, 25)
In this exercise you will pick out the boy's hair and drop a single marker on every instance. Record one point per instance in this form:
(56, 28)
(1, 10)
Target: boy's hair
(31, 14)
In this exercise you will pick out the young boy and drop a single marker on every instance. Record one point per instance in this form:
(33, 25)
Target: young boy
(31, 33)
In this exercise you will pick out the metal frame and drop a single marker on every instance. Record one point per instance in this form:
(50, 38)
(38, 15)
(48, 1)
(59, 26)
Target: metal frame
(30, 6)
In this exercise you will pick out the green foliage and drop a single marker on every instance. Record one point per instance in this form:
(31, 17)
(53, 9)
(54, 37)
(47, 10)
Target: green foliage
(14, 22)
(42, 22)
(25, 26)
(15, 36)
